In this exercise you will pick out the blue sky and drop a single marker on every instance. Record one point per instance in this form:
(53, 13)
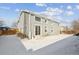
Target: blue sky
(64, 12)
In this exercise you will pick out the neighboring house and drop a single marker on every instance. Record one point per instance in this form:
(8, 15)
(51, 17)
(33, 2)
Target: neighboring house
(34, 25)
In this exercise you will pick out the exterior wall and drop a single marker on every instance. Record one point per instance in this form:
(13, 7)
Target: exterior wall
(32, 18)
(51, 27)
(23, 24)
(27, 25)
(20, 24)
(56, 28)
(33, 24)
(43, 27)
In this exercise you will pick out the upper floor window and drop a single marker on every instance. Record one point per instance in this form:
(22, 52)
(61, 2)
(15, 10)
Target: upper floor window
(37, 19)
(45, 20)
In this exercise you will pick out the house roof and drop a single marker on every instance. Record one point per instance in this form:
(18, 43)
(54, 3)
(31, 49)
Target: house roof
(38, 15)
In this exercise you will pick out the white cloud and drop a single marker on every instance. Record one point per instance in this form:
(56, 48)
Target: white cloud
(69, 7)
(77, 6)
(17, 10)
(69, 13)
(4, 21)
(56, 13)
(63, 21)
(52, 11)
(7, 8)
(61, 6)
(41, 4)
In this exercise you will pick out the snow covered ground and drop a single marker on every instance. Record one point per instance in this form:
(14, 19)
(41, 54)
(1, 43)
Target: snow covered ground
(35, 44)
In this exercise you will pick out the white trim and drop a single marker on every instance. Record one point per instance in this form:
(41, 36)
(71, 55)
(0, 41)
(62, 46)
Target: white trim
(29, 28)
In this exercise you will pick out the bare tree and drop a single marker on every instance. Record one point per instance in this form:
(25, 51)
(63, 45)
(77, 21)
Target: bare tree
(75, 26)
(14, 24)
(1, 23)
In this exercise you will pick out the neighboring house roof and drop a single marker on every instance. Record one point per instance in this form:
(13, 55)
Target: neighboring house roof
(38, 15)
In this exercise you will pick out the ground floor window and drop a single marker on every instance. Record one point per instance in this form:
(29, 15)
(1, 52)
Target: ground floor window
(51, 30)
(45, 30)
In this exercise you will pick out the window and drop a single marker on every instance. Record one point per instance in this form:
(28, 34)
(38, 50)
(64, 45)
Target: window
(45, 20)
(45, 30)
(51, 30)
(37, 19)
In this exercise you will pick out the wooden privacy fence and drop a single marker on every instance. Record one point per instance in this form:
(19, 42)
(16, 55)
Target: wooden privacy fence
(9, 32)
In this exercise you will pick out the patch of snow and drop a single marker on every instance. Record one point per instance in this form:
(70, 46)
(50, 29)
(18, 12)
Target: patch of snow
(35, 44)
